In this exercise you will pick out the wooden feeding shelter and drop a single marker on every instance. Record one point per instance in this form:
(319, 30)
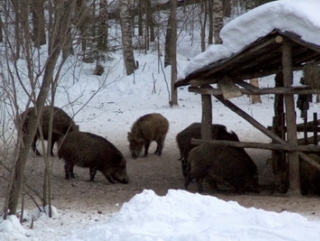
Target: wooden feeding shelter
(279, 53)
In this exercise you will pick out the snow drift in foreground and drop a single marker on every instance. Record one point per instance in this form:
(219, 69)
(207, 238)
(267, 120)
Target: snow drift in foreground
(178, 216)
(181, 215)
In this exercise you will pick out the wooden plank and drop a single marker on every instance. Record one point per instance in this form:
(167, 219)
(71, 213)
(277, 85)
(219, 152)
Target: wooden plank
(256, 145)
(300, 128)
(227, 62)
(228, 88)
(263, 91)
(310, 124)
(309, 140)
(248, 86)
(296, 38)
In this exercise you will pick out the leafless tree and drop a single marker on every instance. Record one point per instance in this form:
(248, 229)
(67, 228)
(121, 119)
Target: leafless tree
(173, 51)
(42, 78)
(1, 31)
(217, 20)
(126, 30)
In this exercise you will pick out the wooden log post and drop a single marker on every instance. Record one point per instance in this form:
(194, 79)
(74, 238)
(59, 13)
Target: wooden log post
(293, 158)
(206, 121)
(315, 129)
(278, 157)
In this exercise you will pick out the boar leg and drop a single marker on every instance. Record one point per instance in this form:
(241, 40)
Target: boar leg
(159, 147)
(34, 146)
(237, 184)
(110, 179)
(68, 168)
(93, 171)
(199, 184)
(187, 181)
(146, 148)
(51, 148)
(185, 167)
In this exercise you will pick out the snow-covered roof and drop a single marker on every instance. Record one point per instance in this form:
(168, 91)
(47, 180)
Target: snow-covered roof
(299, 19)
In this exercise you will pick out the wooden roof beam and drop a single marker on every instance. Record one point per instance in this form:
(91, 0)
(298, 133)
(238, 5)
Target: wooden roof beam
(264, 91)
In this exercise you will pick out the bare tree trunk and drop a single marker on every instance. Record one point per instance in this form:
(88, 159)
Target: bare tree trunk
(210, 16)
(140, 17)
(1, 31)
(38, 21)
(169, 40)
(58, 35)
(81, 13)
(226, 8)
(125, 20)
(103, 27)
(173, 51)
(203, 20)
(16, 7)
(68, 47)
(150, 21)
(218, 20)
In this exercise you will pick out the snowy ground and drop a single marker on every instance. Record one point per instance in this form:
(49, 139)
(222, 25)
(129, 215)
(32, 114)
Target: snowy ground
(154, 206)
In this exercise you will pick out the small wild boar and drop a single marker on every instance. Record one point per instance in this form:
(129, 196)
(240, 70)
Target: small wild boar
(91, 151)
(310, 176)
(183, 138)
(61, 125)
(148, 128)
(222, 164)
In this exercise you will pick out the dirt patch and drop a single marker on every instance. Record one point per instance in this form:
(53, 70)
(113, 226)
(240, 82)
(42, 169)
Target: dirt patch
(156, 173)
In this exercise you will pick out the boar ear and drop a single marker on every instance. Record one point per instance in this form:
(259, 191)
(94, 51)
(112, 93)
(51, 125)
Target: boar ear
(129, 135)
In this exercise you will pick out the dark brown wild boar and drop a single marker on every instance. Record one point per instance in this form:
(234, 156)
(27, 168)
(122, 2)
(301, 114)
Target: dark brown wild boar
(222, 164)
(61, 125)
(309, 176)
(148, 128)
(183, 138)
(91, 151)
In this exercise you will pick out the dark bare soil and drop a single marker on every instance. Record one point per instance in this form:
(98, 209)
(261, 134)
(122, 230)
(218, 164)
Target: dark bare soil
(156, 173)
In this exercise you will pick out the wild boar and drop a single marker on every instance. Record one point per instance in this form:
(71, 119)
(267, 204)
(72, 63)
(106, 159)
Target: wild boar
(222, 164)
(61, 125)
(91, 151)
(183, 138)
(310, 176)
(148, 128)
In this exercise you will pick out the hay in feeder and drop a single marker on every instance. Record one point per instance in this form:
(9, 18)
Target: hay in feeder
(311, 74)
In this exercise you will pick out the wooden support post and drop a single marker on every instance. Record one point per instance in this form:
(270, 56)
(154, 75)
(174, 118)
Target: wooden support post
(315, 129)
(293, 158)
(206, 122)
(305, 132)
(278, 127)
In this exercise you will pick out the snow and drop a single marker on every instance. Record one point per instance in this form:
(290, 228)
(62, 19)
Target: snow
(183, 216)
(178, 215)
(298, 16)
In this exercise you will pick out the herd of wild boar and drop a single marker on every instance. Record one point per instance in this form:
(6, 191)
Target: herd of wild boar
(216, 164)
